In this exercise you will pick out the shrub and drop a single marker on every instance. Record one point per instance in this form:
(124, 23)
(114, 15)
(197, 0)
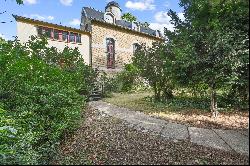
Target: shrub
(40, 99)
(127, 80)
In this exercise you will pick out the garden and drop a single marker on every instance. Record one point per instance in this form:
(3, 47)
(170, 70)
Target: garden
(199, 77)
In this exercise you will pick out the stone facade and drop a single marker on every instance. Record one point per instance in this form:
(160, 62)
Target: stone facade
(107, 41)
(124, 40)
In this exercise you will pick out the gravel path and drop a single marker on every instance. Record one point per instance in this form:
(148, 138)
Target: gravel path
(228, 140)
(103, 139)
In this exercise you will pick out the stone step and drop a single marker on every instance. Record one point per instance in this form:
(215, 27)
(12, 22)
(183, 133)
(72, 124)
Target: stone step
(95, 98)
(95, 95)
(96, 92)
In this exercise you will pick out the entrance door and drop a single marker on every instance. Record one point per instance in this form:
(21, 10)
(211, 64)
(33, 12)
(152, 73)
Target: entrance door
(110, 53)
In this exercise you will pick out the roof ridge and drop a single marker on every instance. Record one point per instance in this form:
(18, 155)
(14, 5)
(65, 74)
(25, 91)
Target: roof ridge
(44, 22)
(94, 9)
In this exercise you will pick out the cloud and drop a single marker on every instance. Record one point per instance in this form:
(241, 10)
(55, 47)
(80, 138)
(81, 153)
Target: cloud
(66, 2)
(50, 18)
(162, 17)
(75, 22)
(158, 26)
(30, 2)
(162, 20)
(39, 17)
(140, 5)
(167, 4)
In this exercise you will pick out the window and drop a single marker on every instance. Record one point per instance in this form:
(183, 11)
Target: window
(136, 46)
(72, 37)
(56, 34)
(65, 36)
(40, 30)
(78, 38)
(157, 33)
(108, 17)
(110, 53)
(135, 26)
(48, 32)
(59, 35)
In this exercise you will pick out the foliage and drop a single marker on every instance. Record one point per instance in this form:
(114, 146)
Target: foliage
(128, 80)
(19, 2)
(155, 65)
(129, 17)
(211, 46)
(40, 94)
(128, 77)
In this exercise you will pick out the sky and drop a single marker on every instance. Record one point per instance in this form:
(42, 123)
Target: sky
(68, 12)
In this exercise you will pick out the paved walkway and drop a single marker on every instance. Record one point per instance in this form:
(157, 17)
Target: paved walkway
(228, 140)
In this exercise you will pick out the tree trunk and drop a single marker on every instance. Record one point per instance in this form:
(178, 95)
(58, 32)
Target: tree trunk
(213, 100)
(157, 92)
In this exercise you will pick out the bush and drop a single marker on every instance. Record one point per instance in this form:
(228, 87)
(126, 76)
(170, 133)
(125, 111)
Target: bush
(41, 98)
(126, 81)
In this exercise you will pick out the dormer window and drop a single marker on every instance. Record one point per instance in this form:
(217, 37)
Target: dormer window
(136, 47)
(135, 26)
(108, 17)
(157, 33)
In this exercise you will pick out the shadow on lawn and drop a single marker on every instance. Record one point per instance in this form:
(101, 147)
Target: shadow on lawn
(185, 110)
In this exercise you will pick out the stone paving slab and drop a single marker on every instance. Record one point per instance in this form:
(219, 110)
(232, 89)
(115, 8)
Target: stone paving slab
(237, 141)
(175, 131)
(244, 132)
(146, 126)
(220, 139)
(207, 138)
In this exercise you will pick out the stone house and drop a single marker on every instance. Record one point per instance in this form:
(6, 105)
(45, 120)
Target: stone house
(104, 39)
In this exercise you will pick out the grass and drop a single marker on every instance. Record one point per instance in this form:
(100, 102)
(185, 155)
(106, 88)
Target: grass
(186, 110)
(144, 102)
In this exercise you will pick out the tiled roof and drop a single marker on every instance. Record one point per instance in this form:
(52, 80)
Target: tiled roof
(124, 23)
(148, 30)
(112, 3)
(93, 14)
(48, 24)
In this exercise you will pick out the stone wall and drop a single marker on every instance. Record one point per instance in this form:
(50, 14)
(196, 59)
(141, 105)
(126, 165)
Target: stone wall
(124, 40)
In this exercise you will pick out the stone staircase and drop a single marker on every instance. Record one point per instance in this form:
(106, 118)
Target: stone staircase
(96, 93)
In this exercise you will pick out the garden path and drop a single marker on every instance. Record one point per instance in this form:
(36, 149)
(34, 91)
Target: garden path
(228, 140)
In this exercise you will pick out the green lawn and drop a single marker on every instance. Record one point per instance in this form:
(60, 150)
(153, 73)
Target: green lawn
(185, 110)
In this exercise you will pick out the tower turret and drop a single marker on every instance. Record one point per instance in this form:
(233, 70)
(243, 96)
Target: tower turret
(115, 9)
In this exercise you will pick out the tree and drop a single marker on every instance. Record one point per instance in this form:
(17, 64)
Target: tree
(155, 66)
(211, 45)
(129, 17)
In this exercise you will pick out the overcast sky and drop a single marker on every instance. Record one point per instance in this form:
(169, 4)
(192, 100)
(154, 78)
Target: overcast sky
(68, 12)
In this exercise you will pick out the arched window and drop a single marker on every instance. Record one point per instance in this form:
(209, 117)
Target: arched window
(110, 53)
(136, 46)
(108, 17)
